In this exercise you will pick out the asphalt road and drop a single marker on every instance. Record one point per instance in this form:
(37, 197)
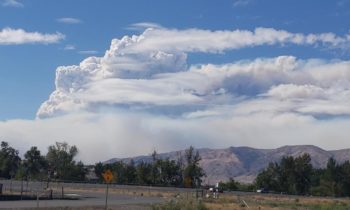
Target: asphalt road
(91, 195)
(88, 199)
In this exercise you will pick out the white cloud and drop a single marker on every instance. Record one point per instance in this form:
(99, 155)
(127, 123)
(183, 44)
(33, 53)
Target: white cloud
(143, 25)
(12, 3)
(292, 91)
(197, 40)
(88, 52)
(69, 20)
(132, 75)
(240, 3)
(9, 36)
(142, 92)
(69, 47)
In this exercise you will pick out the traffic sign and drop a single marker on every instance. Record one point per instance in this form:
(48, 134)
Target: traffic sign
(108, 176)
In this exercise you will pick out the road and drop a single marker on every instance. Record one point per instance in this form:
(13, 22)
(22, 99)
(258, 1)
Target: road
(95, 199)
(92, 195)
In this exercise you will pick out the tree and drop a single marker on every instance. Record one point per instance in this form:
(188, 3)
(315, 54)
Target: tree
(61, 162)
(35, 164)
(345, 178)
(230, 185)
(291, 175)
(143, 173)
(303, 174)
(193, 173)
(286, 177)
(169, 172)
(269, 178)
(119, 171)
(9, 161)
(330, 179)
(77, 172)
(99, 169)
(130, 172)
(155, 170)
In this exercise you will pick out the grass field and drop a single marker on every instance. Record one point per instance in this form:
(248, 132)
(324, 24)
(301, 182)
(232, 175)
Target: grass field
(231, 201)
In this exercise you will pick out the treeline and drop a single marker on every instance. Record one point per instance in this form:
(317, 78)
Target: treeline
(291, 175)
(183, 172)
(297, 176)
(58, 163)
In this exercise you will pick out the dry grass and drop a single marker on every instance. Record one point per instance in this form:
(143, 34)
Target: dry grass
(277, 202)
(120, 207)
(226, 201)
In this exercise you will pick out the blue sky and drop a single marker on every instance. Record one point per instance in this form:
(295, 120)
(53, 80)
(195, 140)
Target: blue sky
(167, 74)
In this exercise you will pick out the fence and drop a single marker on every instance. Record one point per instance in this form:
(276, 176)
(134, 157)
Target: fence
(58, 189)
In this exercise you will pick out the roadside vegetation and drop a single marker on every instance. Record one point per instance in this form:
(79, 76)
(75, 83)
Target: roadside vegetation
(291, 175)
(59, 164)
(297, 176)
(276, 202)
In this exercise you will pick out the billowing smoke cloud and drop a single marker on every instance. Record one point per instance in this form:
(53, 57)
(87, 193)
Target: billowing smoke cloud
(142, 94)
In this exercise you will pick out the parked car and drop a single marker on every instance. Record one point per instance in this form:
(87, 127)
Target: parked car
(262, 190)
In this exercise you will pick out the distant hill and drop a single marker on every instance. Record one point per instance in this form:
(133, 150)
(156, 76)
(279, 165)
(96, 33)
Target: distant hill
(244, 163)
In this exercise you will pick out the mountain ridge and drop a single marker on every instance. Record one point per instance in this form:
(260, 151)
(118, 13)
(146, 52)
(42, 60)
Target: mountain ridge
(244, 163)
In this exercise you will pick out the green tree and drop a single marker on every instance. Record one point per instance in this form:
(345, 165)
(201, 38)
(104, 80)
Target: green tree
(77, 172)
(34, 163)
(286, 182)
(99, 169)
(330, 179)
(9, 161)
(269, 178)
(345, 179)
(130, 172)
(230, 185)
(303, 174)
(170, 173)
(155, 170)
(61, 162)
(143, 173)
(193, 173)
(119, 171)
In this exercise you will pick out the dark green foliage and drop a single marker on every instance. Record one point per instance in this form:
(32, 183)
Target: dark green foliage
(160, 172)
(99, 168)
(170, 173)
(61, 164)
(303, 173)
(231, 185)
(269, 178)
(297, 176)
(143, 173)
(192, 169)
(291, 175)
(34, 164)
(77, 171)
(9, 161)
